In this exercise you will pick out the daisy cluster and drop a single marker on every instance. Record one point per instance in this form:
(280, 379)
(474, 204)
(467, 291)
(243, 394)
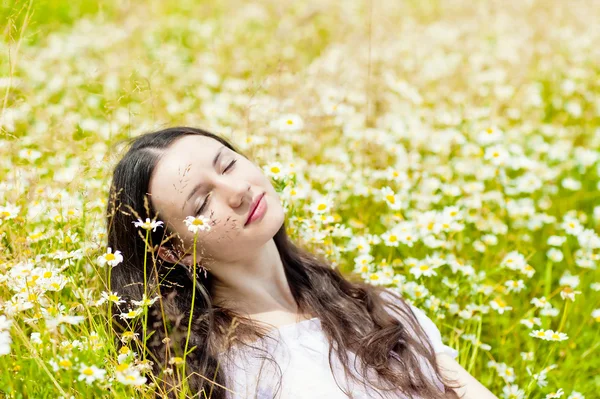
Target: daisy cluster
(446, 150)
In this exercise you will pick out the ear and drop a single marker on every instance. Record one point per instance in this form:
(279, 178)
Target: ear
(169, 255)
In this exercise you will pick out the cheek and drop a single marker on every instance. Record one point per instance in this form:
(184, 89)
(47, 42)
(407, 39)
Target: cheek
(223, 228)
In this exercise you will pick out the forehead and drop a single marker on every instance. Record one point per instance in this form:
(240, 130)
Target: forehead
(173, 175)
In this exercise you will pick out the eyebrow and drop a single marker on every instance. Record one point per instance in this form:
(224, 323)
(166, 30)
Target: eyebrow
(198, 186)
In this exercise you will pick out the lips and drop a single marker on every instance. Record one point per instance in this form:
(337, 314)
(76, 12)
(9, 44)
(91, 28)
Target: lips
(253, 207)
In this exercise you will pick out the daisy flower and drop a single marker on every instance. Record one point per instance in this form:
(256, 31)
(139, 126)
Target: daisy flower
(131, 314)
(111, 297)
(110, 258)
(148, 224)
(513, 392)
(556, 394)
(422, 269)
(128, 375)
(390, 239)
(90, 373)
(128, 336)
(391, 198)
(145, 301)
(514, 286)
(196, 224)
(549, 335)
(9, 211)
(569, 293)
(289, 123)
(499, 305)
(321, 205)
(275, 170)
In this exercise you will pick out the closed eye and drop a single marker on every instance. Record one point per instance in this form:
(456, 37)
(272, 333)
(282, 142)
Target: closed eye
(199, 211)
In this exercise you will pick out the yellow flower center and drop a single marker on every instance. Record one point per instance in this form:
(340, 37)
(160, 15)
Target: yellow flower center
(122, 367)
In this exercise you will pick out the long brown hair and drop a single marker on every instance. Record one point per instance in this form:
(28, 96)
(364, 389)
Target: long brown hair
(353, 314)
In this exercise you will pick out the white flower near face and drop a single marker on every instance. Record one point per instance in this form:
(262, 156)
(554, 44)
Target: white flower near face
(196, 224)
(148, 224)
(276, 170)
(90, 373)
(112, 259)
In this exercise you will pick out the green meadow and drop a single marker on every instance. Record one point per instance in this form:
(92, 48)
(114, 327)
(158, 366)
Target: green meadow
(449, 150)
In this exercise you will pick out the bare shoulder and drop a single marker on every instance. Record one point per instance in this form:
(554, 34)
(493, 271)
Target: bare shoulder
(470, 388)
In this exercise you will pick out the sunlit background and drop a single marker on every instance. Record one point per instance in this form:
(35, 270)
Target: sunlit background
(446, 149)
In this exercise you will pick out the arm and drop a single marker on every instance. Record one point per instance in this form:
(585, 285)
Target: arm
(471, 388)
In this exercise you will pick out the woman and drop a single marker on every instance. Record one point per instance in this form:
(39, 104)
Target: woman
(259, 316)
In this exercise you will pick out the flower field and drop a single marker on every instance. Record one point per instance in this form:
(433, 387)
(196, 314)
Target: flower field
(449, 150)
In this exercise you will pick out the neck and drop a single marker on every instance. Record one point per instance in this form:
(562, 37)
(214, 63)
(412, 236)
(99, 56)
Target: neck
(255, 286)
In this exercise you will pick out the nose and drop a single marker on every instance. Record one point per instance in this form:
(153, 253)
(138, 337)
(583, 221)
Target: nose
(238, 193)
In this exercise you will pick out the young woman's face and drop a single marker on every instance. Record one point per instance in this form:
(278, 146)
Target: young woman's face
(185, 180)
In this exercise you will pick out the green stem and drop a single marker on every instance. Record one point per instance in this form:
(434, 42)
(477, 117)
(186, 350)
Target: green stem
(144, 326)
(548, 283)
(109, 304)
(564, 316)
(187, 338)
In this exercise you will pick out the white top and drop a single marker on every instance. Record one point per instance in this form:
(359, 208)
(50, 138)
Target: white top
(302, 355)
